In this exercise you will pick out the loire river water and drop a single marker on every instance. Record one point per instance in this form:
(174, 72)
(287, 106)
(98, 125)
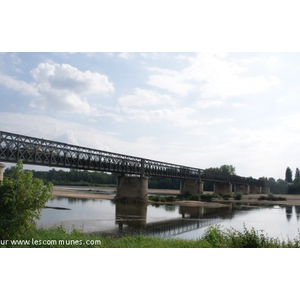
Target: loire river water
(168, 221)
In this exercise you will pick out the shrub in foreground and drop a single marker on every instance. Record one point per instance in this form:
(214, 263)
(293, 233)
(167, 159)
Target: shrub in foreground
(22, 198)
(214, 237)
(232, 238)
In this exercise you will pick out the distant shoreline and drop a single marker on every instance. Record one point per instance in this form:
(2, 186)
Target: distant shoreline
(108, 193)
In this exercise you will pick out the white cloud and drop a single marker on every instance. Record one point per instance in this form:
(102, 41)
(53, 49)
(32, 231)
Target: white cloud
(231, 85)
(126, 55)
(291, 123)
(223, 78)
(60, 87)
(143, 97)
(172, 81)
(63, 87)
(213, 76)
(18, 85)
(179, 117)
(209, 103)
(265, 151)
(67, 77)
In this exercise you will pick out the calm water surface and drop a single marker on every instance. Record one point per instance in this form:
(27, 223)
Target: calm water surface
(169, 221)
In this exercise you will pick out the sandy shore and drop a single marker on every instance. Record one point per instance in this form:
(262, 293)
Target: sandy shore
(99, 193)
(107, 193)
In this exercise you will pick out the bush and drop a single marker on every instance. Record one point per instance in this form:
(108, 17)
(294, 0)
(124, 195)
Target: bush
(162, 199)
(227, 196)
(195, 197)
(217, 237)
(238, 196)
(271, 197)
(206, 197)
(22, 198)
(184, 196)
(170, 198)
(154, 198)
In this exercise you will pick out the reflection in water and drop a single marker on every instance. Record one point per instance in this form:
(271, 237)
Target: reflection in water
(205, 212)
(288, 212)
(297, 210)
(193, 212)
(166, 221)
(132, 215)
(170, 207)
(75, 200)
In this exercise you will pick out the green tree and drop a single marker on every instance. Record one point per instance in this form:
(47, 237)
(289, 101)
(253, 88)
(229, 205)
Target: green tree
(228, 169)
(22, 198)
(288, 175)
(225, 169)
(297, 174)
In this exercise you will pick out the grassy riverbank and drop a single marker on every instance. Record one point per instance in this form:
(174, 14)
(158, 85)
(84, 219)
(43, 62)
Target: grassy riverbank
(214, 237)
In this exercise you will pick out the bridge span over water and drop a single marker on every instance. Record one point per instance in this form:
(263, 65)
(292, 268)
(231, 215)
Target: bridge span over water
(38, 151)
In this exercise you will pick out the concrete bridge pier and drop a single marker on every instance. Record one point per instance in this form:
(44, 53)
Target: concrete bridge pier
(222, 187)
(242, 188)
(132, 189)
(191, 187)
(2, 166)
(254, 189)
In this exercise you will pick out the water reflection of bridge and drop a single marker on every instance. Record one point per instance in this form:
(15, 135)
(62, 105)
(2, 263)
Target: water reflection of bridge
(132, 218)
(177, 226)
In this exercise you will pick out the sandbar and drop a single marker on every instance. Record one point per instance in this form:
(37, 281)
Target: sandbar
(108, 193)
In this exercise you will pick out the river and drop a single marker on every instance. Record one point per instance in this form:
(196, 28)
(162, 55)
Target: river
(167, 221)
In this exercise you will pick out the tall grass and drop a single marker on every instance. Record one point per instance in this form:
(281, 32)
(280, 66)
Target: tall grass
(214, 237)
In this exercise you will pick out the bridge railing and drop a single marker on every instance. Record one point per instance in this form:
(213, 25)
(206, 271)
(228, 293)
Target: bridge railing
(162, 169)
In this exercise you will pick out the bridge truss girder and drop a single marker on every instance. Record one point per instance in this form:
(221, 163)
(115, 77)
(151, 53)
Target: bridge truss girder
(36, 151)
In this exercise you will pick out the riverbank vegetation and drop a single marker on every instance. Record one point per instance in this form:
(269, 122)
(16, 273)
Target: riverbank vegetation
(271, 197)
(214, 237)
(203, 197)
(207, 197)
(22, 199)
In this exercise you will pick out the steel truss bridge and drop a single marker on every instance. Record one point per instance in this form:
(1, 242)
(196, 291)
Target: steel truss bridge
(37, 151)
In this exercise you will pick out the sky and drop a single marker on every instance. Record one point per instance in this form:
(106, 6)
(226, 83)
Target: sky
(195, 109)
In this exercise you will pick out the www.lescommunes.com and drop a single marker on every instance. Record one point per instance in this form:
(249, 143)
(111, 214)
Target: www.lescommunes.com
(34, 242)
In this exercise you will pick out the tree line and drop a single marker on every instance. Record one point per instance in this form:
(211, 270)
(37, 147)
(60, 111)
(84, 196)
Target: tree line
(88, 178)
(293, 183)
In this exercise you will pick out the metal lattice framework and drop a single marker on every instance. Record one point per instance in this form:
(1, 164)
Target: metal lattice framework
(36, 151)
